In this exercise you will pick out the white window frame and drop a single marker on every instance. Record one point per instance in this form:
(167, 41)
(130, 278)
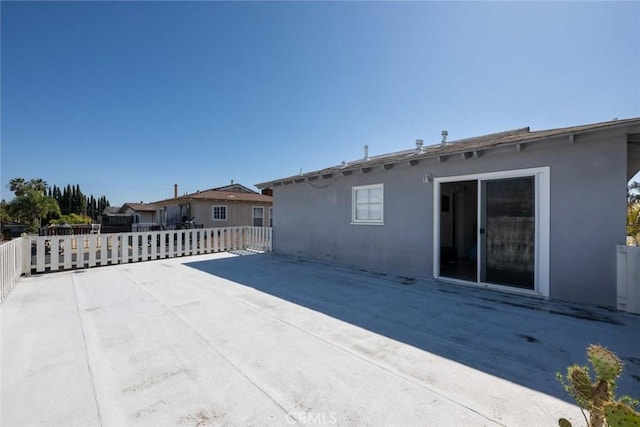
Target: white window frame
(213, 210)
(253, 217)
(354, 220)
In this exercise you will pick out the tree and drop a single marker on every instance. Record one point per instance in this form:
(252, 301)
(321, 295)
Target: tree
(633, 221)
(57, 194)
(69, 200)
(31, 206)
(66, 200)
(80, 201)
(4, 212)
(102, 204)
(17, 185)
(38, 185)
(633, 192)
(633, 211)
(73, 219)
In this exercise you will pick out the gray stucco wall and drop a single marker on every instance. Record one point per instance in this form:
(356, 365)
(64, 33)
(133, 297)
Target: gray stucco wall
(587, 202)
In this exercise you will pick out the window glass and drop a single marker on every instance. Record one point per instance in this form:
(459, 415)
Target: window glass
(362, 212)
(375, 212)
(219, 213)
(375, 195)
(258, 215)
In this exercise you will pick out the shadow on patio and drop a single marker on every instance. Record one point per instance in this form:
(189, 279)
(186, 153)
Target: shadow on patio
(522, 340)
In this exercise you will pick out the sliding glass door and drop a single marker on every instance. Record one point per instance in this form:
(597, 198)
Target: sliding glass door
(507, 233)
(493, 229)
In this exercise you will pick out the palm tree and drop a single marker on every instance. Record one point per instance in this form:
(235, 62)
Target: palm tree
(17, 185)
(38, 184)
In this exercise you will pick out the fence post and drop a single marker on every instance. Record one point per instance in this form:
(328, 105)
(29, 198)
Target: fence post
(26, 255)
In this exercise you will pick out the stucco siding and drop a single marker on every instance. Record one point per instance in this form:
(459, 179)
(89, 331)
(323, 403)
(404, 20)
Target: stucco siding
(237, 213)
(588, 218)
(587, 214)
(144, 216)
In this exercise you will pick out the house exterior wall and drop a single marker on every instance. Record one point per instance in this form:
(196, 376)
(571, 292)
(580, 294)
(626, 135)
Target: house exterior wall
(146, 217)
(238, 213)
(587, 214)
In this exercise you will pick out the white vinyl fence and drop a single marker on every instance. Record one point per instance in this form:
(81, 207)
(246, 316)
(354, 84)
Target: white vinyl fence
(12, 264)
(54, 253)
(628, 278)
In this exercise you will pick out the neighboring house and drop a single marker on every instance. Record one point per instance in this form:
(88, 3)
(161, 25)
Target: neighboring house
(111, 216)
(141, 213)
(227, 206)
(111, 211)
(11, 230)
(130, 217)
(537, 212)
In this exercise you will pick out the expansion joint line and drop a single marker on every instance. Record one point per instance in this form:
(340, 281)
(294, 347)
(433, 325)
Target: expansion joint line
(86, 351)
(365, 359)
(288, 413)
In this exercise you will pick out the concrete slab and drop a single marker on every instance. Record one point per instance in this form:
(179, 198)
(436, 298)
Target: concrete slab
(264, 340)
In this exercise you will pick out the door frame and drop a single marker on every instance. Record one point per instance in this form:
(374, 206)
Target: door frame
(542, 226)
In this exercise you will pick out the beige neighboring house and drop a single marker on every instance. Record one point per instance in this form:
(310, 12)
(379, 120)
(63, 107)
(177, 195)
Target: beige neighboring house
(129, 217)
(227, 206)
(141, 213)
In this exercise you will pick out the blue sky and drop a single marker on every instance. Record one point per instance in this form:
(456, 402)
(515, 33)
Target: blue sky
(128, 98)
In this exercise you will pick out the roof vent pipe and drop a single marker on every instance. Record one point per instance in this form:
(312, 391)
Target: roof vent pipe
(366, 152)
(444, 136)
(419, 143)
(175, 190)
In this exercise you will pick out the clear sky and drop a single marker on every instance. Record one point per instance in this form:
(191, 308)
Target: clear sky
(128, 98)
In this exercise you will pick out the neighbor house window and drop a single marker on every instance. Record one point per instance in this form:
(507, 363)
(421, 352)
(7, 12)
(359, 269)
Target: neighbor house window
(258, 216)
(270, 217)
(219, 213)
(367, 204)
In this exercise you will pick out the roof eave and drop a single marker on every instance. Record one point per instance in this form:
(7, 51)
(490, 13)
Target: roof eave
(440, 152)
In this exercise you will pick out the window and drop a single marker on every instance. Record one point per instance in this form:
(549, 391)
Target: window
(219, 213)
(270, 217)
(367, 204)
(258, 216)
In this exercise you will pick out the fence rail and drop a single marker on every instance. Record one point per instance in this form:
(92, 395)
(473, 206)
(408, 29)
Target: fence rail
(11, 265)
(55, 253)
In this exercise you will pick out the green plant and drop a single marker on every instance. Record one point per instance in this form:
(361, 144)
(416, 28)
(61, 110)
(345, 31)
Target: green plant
(72, 219)
(598, 396)
(31, 206)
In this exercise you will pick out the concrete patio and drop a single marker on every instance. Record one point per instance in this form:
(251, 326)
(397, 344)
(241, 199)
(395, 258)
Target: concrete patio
(246, 339)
